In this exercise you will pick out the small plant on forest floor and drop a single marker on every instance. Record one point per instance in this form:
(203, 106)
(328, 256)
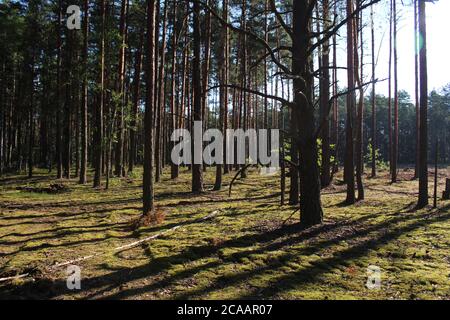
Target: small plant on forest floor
(380, 163)
(155, 218)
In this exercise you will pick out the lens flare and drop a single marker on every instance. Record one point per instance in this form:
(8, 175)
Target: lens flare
(419, 42)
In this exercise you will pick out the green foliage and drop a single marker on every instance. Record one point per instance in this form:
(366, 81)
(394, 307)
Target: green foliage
(380, 163)
(319, 150)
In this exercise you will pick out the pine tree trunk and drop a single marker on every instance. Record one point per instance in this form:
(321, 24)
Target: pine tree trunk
(175, 117)
(359, 133)
(390, 88)
(226, 77)
(416, 89)
(423, 166)
(161, 99)
(293, 171)
(67, 132)
(266, 38)
(59, 173)
(119, 156)
(136, 95)
(395, 140)
(223, 96)
(206, 64)
(325, 177)
(374, 114)
(244, 83)
(349, 167)
(197, 172)
(84, 107)
(98, 138)
(2, 114)
(148, 192)
(335, 105)
(31, 118)
(310, 203)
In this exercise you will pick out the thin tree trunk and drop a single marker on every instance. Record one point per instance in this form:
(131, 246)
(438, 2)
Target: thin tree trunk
(98, 143)
(2, 115)
(436, 154)
(335, 104)
(197, 174)
(119, 152)
(174, 116)
(31, 118)
(244, 83)
(416, 89)
(266, 38)
(226, 76)
(395, 140)
(223, 95)
(161, 98)
(58, 96)
(148, 192)
(359, 133)
(374, 115)
(390, 88)
(325, 177)
(68, 106)
(84, 108)
(206, 64)
(136, 99)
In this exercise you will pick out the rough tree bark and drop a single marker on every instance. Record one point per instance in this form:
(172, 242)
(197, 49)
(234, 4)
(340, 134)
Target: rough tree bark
(325, 176)
(390, 87)
(360, 117)
(223, 93)
(349, 143)
(58, 96)
(395, 138)
(423, 167)
(119, 156)
(148, 191)
(98, 135)
(310, 203)
(335, 104)
(416, 89)
(84, 107)
(68, 104)
(197, 172)
(374, 115)
(161, 98)
(136, 98)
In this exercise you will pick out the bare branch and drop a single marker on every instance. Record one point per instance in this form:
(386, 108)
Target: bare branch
(269, 96)
(280, 19)
(248, 33)
(278, 49)
(334, 30)
(310, 9)
(343, 93)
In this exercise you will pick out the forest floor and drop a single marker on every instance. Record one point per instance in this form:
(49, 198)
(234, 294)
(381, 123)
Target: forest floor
(245, 252)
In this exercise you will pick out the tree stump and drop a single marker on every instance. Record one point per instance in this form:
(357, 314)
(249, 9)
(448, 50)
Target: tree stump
(446, 193)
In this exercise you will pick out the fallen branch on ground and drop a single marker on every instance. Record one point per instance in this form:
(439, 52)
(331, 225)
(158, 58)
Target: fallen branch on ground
(118, 249)
(14, 277)
(284, 222)
(235, 177)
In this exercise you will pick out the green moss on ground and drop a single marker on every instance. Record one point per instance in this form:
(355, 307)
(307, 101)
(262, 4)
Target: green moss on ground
(246, 252)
